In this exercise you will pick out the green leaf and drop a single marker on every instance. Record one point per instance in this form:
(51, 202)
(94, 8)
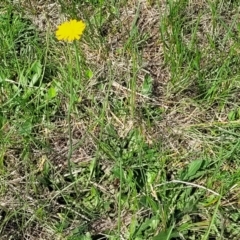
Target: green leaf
(231, 115)
(52, 93)
(89, 73)
(133, 226)
(148, 225)
(147, 85)
(166, 235)
(36, 71)
(37, 68)
(25, 128)
(193, 167)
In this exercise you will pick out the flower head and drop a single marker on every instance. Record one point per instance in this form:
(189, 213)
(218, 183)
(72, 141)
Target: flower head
(70, 30)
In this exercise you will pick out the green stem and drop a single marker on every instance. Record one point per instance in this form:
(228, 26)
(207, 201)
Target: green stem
(78, 64)
(70, 106)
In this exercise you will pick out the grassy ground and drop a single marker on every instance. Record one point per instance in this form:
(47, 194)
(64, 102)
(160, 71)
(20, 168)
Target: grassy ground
(131, 133)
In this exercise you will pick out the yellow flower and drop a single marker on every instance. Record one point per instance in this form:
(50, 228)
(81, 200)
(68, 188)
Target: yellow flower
(70, 30)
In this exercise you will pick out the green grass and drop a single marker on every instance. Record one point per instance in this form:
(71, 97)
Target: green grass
(131, 133)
